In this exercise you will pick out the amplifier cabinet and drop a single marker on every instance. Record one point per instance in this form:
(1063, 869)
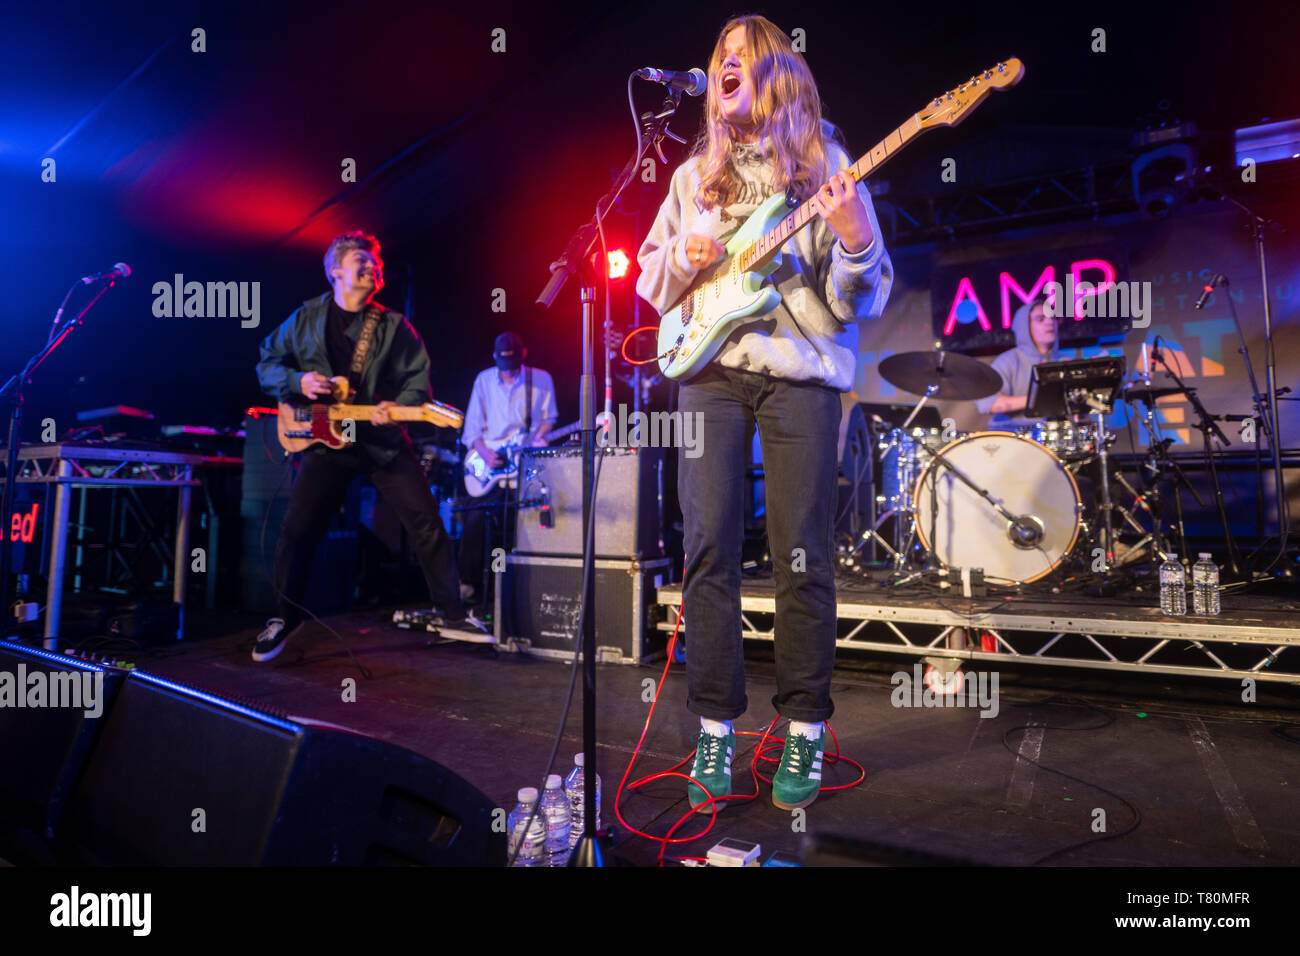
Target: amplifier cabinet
(629, 503)
(539, 600)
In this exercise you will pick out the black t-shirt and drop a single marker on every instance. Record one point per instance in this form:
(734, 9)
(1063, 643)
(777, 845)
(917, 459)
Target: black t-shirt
(337, 345)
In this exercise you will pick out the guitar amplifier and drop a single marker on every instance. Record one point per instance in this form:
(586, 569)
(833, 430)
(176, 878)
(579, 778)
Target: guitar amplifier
(628, 507)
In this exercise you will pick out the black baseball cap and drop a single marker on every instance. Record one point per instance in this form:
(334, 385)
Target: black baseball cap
(508, 350)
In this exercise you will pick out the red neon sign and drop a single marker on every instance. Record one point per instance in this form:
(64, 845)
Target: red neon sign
(24, 525)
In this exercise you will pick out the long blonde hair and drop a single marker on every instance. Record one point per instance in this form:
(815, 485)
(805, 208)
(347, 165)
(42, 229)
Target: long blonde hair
(786, 109)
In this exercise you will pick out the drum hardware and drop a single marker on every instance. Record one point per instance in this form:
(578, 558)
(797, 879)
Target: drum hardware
(1077, 388)
(932, 374)
(952, 491)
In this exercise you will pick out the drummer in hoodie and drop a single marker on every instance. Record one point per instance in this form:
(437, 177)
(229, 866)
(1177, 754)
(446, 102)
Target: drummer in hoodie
(1036, 342)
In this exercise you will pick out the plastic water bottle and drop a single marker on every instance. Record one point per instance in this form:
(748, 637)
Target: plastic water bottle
(531, 853)
(1205, 585)
(1173, 587)
(575, 790)
(555, 808)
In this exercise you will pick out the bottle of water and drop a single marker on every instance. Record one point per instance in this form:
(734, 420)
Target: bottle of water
(575, 790)
(555, 808)
(1173, 587)
(531, 853)
(1205, 585)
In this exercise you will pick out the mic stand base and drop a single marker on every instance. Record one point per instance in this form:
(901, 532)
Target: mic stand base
(592, 851)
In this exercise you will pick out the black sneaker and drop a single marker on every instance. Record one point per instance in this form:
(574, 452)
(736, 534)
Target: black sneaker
(471, 622)
(272, 640)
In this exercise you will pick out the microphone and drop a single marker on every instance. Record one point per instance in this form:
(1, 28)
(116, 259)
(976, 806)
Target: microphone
(1207, 290)
(692, 83)
(1026, 531)
(120, 270)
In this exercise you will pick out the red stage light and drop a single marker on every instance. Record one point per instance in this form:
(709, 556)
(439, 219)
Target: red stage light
(618, 264)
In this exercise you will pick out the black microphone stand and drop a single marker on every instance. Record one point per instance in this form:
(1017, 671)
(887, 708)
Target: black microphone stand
(15, 387)
(1266, 402)
(591, 847)
(1206, 426)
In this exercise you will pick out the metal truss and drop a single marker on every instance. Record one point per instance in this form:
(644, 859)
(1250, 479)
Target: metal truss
(1140, 641)
(54, 464)
(1097, 190)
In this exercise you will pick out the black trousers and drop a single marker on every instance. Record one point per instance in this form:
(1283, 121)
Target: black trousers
(319, 492)
(482, 528)
(799, 426)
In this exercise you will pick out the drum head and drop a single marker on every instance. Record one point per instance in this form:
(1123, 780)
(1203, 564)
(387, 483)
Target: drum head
(968, 532)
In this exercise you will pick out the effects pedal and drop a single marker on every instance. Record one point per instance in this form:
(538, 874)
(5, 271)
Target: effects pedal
(423, 619)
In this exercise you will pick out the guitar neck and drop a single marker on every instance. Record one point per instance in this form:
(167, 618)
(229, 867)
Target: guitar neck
(398, 413)
(759, 252)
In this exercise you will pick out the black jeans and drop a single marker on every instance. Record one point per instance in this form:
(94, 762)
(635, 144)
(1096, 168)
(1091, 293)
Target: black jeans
(482, 528)
(319, 492)
(798, 425)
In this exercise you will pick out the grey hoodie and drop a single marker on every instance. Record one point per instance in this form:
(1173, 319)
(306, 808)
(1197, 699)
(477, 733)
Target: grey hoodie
(812, 335)
(1016, 365)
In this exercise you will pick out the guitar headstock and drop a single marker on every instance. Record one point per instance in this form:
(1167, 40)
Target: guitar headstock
(950, 108)
(445, 416)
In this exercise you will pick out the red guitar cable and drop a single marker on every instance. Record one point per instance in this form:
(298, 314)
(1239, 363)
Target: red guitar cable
(760, 753)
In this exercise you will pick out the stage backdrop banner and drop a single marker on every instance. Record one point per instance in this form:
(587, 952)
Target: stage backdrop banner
(1177, 256)
(972, 304)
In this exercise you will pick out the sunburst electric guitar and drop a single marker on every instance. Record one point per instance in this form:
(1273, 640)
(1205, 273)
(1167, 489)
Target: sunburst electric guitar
(734, 290)
(303, 424)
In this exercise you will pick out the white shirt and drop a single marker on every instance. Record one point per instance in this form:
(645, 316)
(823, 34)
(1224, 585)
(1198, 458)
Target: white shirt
(496, 410)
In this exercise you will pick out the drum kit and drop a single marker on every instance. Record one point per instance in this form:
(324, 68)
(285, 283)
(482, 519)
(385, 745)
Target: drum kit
(1005, 502)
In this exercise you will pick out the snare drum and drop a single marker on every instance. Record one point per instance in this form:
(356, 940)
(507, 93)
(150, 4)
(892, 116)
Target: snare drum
(963, 530)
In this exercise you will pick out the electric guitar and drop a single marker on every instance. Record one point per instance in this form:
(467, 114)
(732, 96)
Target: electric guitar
(303, 424)
(734, 292)
(480, 479)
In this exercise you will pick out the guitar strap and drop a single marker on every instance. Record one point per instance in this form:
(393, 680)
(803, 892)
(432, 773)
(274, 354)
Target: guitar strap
(528, 401)
(359, 354)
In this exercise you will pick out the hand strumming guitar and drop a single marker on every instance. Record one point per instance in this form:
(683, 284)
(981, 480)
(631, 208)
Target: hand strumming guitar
(492, 459)
(314, 385)
(703, 251)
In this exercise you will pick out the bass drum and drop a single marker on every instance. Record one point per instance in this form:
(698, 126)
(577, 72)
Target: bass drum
(963, 530)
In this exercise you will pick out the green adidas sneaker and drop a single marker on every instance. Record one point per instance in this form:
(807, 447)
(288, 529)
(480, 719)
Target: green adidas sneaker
(798, 779)
(712, 769)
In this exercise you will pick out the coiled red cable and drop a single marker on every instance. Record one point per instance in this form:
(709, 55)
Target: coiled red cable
(761, 753)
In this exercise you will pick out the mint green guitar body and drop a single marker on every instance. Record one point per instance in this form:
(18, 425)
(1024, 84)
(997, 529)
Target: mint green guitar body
(720, 299)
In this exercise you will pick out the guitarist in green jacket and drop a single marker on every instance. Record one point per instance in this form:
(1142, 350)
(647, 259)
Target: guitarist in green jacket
(782, 372)
(319, 340)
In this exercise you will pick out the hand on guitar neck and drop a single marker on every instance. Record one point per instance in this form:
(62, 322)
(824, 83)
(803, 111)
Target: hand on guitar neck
(314, 385)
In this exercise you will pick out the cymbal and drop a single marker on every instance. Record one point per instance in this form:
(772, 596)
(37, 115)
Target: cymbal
(958, 376)
(1149, 393)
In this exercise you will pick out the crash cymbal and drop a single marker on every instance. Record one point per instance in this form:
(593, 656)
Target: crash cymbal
(1149, 393)
(958, 376)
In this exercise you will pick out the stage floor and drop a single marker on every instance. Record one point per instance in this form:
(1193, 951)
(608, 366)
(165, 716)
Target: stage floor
(1208, 780)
